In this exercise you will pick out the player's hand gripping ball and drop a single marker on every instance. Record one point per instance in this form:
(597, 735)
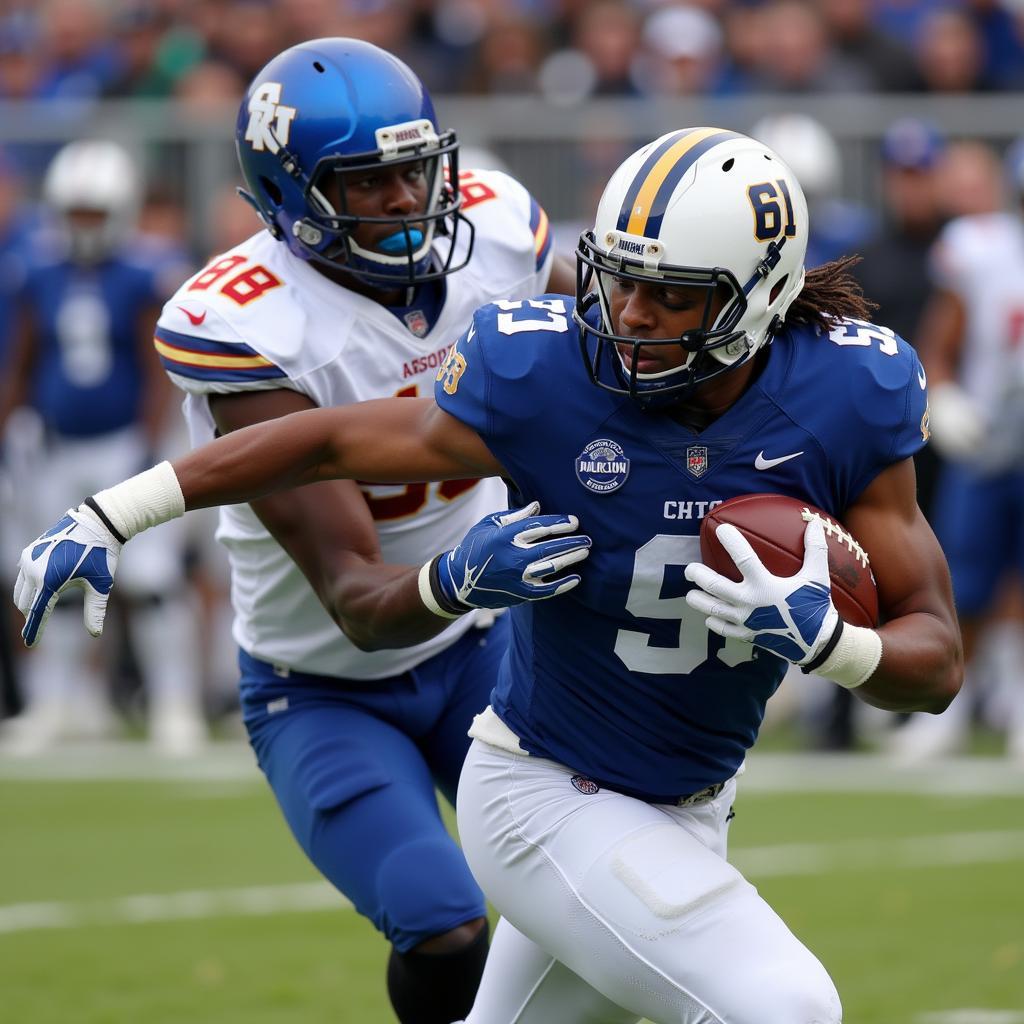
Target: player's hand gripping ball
(780, 574)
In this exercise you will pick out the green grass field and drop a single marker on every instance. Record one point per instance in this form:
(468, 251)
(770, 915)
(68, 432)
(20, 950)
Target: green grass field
(134, 890)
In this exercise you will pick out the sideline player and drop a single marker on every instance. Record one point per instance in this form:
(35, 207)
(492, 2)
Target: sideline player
(82, 358)
(594, 802)
(971, 334)
(377, 249)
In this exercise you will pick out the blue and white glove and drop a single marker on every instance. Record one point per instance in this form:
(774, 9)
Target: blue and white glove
(791, 616)
(78, 551)
(505, 559)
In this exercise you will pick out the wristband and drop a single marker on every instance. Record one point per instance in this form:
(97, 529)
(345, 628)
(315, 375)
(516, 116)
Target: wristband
(430, 591)
(145, 500)
(852, 659)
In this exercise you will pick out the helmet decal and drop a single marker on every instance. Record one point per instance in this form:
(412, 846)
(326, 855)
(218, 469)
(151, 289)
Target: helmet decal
(269, 119)
(643, 207)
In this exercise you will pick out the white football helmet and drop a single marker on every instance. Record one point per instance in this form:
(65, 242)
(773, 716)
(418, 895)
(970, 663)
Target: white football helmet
(93, 176)
(700, 207)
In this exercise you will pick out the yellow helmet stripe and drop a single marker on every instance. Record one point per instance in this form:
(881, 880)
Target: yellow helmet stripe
(648, 192)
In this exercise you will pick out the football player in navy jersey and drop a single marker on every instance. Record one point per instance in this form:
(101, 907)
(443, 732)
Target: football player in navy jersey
(594, 802)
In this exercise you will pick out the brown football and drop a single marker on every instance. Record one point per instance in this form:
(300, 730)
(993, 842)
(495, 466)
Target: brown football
(774, 525)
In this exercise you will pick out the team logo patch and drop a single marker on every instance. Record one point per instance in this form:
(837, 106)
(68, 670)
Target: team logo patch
(588, 787)
(270, 121)
(602, 466)
(416, 321)
(697, 460)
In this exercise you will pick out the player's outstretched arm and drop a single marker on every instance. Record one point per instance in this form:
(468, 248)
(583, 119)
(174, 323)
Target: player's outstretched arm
(512, 557)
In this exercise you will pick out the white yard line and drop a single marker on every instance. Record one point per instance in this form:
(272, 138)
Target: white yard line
(254, 901)
(953, 850)
(949, 850)
(969, 1015)
(768, 774)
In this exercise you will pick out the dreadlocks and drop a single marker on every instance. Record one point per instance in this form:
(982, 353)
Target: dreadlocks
(831, 293)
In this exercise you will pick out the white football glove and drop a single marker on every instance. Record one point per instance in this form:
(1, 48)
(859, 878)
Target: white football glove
(957, 424)
(78, 551)
(791, 616)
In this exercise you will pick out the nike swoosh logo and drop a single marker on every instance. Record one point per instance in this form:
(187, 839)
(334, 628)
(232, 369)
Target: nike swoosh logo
(762, 463)
(196, 320)
(921, 378)
(471, 577)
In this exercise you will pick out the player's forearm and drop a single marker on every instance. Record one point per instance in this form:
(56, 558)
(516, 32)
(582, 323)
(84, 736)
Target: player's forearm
(239, 467)
(921, 668)
(258, 460)
(379, 606)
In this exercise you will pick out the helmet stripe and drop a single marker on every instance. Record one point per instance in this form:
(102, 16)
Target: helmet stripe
(651, 196)
(641, 176)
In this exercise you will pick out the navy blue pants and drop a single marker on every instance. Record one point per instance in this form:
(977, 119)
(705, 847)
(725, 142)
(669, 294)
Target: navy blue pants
(354, 766)
(979, 521)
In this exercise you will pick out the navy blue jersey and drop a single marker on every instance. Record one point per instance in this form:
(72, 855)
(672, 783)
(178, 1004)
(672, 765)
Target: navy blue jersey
(88, 375)
(620, 679)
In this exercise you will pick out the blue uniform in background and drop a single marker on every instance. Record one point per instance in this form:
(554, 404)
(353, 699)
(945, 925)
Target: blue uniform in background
(88, 378)
(619, 679)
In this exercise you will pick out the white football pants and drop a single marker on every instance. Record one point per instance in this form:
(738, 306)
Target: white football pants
(615, 909)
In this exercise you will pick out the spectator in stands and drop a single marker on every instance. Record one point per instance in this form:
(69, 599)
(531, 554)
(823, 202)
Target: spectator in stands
(894, 272)
(970, 180)
(949, 54)
(607, 34)
(20, 59)
(507, 58)
(860, 41)
(80, 59)
(684, 48)
(801, 58)
(155, 52)
(299, 20)
(249, 36)
(1000, 25)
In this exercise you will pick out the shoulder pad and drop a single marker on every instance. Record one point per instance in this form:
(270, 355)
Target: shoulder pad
(233, 325)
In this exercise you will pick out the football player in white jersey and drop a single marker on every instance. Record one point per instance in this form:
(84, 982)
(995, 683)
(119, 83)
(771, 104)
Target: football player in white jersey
(376, 250)
(972, 347)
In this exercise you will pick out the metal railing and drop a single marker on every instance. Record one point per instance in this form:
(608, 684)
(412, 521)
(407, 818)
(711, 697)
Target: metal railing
(562, 153)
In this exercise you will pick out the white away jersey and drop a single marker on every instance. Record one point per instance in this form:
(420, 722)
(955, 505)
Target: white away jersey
(981, 259)
(259, 318)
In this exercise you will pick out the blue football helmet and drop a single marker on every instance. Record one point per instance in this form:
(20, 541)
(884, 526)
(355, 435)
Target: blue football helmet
(336, 106)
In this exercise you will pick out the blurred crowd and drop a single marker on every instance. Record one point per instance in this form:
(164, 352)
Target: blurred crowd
(76, 52)
(564, 50)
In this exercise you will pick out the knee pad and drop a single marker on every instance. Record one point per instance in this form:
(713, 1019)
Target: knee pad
(436, 988)
(425, 888)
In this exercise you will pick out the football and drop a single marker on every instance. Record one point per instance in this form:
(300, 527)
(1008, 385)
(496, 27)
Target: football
(774, 525)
